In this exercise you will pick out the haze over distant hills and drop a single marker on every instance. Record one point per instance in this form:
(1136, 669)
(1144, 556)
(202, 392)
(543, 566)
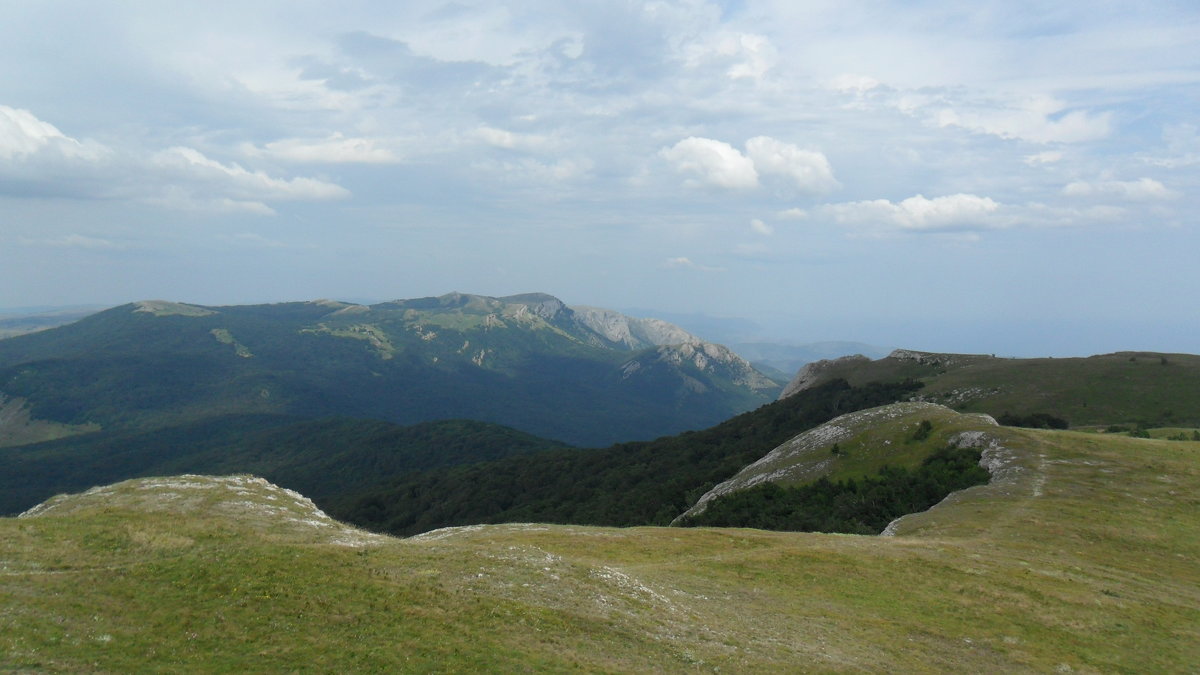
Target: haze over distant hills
(587, 376)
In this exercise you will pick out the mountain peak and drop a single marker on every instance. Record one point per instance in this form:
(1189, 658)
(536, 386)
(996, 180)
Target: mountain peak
(543, 304)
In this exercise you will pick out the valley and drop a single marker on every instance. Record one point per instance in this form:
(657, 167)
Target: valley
(228, 501)
(1080, 557)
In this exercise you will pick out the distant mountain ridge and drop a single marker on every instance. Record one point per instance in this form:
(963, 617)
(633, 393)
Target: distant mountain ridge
(584, 375)
(1144, 388)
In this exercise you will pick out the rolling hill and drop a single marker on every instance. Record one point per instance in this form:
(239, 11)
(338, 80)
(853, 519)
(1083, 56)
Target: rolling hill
(1149, 388)
(1079, 556)
(587, 376)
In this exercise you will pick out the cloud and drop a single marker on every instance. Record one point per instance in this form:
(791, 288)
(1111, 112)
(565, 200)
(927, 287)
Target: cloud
(809, 171)
(686, 264)
(22, 135)
(1143, 189)
(715, 162)
(39, 160)
(754, 53)
(197, 182)
(793, 214)
(719, 163)
(759, 227)
(191, 164)
(334, 149)
(509, 140)
(1042, 119)
(958, 212)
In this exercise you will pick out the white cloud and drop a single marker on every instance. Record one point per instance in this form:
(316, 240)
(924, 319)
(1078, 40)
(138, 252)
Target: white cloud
(715, 162)
(682, 263)
(755, 54)
(719, 163)
(335, 149)
(793, 214)
(204, 180)
(1143, 189)
(759, 227)
(1042, 119)
(509, 140)
(23, 135)
(920, 214)
(43, 161)
(808, 170)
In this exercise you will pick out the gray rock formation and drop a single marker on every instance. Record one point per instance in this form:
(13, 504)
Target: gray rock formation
(630, 332)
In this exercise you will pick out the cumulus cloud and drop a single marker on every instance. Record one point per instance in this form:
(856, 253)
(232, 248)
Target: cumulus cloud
(23, 135)
(806, 170)
(715, 162)
(719, 163)
(1143, 189)
(334, 149)
(759, 227)
(956, 212)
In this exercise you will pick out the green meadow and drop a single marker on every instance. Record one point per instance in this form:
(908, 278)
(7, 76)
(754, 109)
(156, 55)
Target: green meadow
(1079, 556)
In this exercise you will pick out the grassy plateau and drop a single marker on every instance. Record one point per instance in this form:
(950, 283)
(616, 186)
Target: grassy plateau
(1079, 556)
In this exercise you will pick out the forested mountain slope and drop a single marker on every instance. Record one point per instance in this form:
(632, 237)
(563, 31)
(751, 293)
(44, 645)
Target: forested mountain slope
(530, 362)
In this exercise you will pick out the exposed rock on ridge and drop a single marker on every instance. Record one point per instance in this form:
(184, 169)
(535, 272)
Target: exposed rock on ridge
(630, 332)
(811, 373)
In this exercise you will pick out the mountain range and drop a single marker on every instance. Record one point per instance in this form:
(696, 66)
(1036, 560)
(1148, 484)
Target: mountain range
(583, 375)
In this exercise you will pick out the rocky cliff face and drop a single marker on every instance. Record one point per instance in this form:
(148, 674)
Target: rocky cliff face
(708, 358)
(629, 332)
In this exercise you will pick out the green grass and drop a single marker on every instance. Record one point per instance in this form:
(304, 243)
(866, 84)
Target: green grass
(1125, 387)
(1084, 560)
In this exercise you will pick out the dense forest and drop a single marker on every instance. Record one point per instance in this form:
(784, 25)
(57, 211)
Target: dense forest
(320, 458)
(856, 507)
(643, 483)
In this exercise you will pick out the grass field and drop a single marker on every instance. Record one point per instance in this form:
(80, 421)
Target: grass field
(1124, 387)
(1080, 556)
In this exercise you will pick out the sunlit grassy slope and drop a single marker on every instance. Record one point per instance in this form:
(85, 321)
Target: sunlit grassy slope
(1079, 557)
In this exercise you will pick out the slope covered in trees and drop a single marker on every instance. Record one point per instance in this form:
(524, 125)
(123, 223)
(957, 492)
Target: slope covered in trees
(641, 483)
(851, 506)
(320, 458)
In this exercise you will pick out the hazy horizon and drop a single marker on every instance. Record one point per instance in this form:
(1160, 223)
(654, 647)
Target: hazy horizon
(990, 178)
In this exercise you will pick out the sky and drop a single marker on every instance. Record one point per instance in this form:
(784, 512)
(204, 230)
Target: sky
(1004, 177)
